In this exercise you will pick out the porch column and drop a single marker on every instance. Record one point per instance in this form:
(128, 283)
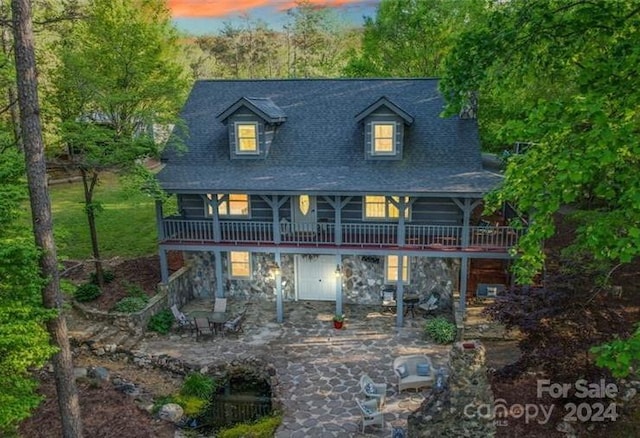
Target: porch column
(401, 228)
(464, 273)
(467, 207)
(278, 279)
(339, 310)
(217, 254)
(216, 218)
(159, 223)
(399, 295)
(337, 206)
(275, 209)
(164, 266)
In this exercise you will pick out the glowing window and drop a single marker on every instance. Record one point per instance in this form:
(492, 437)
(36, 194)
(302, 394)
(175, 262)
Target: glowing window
(304, 204)
(391, 271)
(240, 264)
(381, 207)
(234, 204)
(383, 139)
(247, 138)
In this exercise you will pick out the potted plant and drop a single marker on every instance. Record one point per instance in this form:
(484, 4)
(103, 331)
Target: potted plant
(338, 320)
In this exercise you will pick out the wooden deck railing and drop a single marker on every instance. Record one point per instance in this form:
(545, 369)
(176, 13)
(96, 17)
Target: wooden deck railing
(351, 234)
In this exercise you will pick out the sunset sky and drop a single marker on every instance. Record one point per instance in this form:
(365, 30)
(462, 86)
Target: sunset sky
(207, 16)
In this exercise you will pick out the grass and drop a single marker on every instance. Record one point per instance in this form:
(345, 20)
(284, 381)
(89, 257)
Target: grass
(126, 225)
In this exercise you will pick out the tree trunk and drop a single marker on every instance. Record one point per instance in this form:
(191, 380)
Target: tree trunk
(89, 183)
(12, 98)
(41, 214)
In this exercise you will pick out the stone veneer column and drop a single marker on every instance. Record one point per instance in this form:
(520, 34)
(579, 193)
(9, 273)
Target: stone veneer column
(453, 412)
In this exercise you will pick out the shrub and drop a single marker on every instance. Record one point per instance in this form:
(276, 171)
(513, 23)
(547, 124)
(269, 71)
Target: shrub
(133, 290)
(198, 385)
(107, 276)
(264, 427)
(131, 304)
(192, 405)
(161, 322)
(87, 292)
(440, 330)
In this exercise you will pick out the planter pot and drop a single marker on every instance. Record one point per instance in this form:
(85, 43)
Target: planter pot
(337, 324)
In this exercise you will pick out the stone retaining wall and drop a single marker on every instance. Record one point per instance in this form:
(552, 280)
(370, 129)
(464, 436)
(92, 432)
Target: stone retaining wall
(458, 409)
(177, 291)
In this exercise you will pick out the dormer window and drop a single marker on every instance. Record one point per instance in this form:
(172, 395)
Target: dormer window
(247, 135)
(383, 139)
(384, 129)
(252, 123)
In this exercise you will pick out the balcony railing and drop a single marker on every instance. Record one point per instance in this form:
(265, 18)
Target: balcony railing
(350, 234)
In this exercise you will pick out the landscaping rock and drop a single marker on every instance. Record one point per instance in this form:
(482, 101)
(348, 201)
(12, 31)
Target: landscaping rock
(171, 412)
(99, 373)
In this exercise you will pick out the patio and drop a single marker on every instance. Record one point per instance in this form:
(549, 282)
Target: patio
(317, 367)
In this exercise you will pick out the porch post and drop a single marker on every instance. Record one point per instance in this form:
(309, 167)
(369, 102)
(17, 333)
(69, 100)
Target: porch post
(339, 284)
(464, 273)
(466, 219)
(217, 254)
(278, 279)
(275, 208)
(164, 266)
(401, 228)
(399, 295)
(337, 206)
(216, 218)
(159, 223)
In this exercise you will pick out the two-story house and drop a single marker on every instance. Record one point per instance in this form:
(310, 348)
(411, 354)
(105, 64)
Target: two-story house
(327, 190)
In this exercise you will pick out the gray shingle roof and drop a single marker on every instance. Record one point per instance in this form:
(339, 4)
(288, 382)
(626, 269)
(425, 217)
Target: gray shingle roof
(320, 147)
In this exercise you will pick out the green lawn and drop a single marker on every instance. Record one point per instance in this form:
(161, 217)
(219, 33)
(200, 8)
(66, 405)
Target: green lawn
(126, 226)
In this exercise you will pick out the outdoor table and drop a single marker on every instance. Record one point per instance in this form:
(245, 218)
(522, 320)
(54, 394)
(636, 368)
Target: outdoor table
(411, 300)
(216, 319)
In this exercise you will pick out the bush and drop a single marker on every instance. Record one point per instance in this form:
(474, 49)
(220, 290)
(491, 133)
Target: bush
(192, 405)
(161, 322)
(264, 427)
(440, 330)
(107, 276)
(87, 292)
(133, 290)
(198, 385)
(131, 304)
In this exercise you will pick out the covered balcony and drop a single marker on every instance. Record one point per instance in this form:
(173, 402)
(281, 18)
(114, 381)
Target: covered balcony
(360, 235)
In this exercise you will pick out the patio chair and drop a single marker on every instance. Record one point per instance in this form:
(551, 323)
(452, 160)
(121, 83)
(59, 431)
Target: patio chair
(220, 305)
(203, 328)
(235, 325)
(181, 319)
(371, 415)
(388, 296)
(431, 304)
(373, 390)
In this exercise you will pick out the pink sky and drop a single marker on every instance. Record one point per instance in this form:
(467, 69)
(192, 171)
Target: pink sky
(222, 8)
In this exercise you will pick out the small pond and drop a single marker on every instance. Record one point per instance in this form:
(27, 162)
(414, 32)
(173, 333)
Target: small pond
(241, 399)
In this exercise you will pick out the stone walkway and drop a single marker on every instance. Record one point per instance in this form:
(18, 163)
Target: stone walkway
(317, 367)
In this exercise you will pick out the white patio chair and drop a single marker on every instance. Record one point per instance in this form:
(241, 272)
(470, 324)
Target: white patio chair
(373, 390)
(181, 319)
(220, 305)
(371, 416)
(431, 304)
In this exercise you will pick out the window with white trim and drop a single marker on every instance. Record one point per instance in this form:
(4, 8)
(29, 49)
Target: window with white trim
(240, 264)
(383, 139)
(381, 207)
(247, 138)
(391, 269)
(231, 205)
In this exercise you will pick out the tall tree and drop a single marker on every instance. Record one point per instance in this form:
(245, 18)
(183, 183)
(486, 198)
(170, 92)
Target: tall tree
(24, 342)
(118, 80)
(27, 86)
(410, 38)
(564, 76)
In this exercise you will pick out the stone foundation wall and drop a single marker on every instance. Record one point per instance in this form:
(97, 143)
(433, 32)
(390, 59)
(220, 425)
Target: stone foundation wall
(460, 408)
(363, 278)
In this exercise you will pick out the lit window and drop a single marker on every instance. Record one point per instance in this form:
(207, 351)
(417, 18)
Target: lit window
(381, 207)
(240, 264)
(247, 138)
(391, 273)
(383, 139)
(233, 204)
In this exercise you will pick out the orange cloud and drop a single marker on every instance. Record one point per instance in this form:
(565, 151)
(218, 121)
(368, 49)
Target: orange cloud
(221, 8)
